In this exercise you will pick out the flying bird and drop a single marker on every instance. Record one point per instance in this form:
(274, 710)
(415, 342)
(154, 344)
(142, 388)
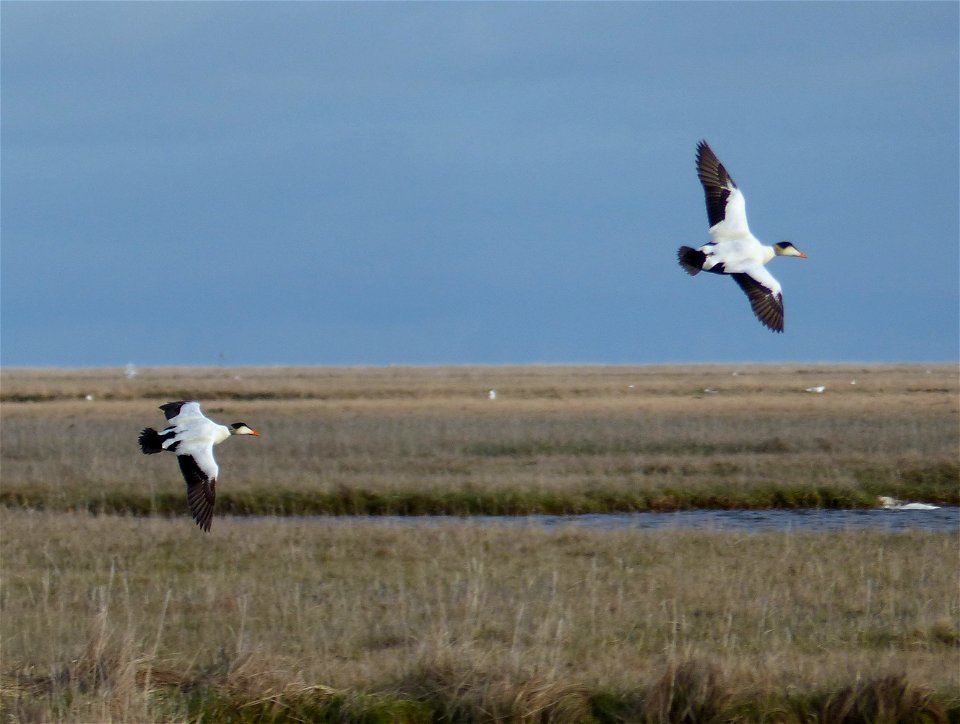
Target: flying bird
(732, 248)
(192, 436)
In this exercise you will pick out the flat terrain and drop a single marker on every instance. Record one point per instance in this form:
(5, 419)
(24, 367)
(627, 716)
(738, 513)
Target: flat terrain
(429, 440)
(147, 619)
(115, 607)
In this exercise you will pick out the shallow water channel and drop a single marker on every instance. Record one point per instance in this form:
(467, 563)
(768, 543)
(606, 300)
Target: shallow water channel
(946, 519)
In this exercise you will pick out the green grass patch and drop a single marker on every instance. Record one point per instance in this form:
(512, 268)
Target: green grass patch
(298, 704)
(936, 485)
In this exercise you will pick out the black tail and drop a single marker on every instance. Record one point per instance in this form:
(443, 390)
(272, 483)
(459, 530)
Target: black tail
(691, 260)
(150, 441)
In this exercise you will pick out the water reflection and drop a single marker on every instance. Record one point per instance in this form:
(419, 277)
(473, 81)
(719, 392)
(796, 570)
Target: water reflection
(946, 519)
(941, 519)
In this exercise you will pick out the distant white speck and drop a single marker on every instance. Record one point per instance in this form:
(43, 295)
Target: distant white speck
(89, 398)
(492, 394)
(818, 388)
(130, 371)
(736, 374)
(709, 390)
(853, 382)
(237, 377)
(631, 387)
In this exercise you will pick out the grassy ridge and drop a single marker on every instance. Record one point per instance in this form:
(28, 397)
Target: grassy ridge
(937, 484)
(556, 440)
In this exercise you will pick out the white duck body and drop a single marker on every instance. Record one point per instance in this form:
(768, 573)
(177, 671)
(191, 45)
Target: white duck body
(733, 249)
(191, 436)
(736, 255)
(195, 435)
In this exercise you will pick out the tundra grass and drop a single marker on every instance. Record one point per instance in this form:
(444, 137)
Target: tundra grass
(430, 441)
(117, 618)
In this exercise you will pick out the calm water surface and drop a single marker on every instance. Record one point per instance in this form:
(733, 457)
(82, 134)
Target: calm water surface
(946, 519)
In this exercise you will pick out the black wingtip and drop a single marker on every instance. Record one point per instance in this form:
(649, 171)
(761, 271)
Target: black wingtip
(201, 491)
(703, 149)
(769, 312)
(767, 307)
(202, 512)
(200, 498)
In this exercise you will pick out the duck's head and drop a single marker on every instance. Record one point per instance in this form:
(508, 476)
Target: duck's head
(241, 428)
(786, 248)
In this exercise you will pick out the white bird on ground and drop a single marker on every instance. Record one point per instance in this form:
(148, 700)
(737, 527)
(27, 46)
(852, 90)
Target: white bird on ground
(192, 436)
(818, 388)
(894, 504)
(733, 249)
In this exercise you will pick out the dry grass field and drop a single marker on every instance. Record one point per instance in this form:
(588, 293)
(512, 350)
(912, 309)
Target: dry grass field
(429, 440)
(131, 616)
(125, 619)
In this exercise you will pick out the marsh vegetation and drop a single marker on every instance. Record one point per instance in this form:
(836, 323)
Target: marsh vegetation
(136, 615)
(429, 440)
(137, 619)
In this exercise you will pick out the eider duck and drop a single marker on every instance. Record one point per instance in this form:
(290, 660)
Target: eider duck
(192, 436)
(733, 250)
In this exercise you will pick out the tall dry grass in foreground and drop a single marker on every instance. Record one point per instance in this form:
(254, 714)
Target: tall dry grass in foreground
(125, 619)
(556, 439)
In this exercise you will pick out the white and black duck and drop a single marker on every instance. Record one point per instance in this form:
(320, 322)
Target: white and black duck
(732, 249)
(191, 436)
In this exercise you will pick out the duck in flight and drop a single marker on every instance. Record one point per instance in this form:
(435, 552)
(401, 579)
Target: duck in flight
(192, 436)
(732, 248)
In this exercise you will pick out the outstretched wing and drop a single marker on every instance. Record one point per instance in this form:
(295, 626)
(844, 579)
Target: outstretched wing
(200, 473)
(765, 296)
(181, 410)
(726, 208)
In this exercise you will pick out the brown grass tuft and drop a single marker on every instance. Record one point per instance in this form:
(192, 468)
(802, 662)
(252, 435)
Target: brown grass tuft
(889, 699)
(689, 692)
(461, 690)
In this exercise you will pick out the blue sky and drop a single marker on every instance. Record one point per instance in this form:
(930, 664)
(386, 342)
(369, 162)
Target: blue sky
(369, 183)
